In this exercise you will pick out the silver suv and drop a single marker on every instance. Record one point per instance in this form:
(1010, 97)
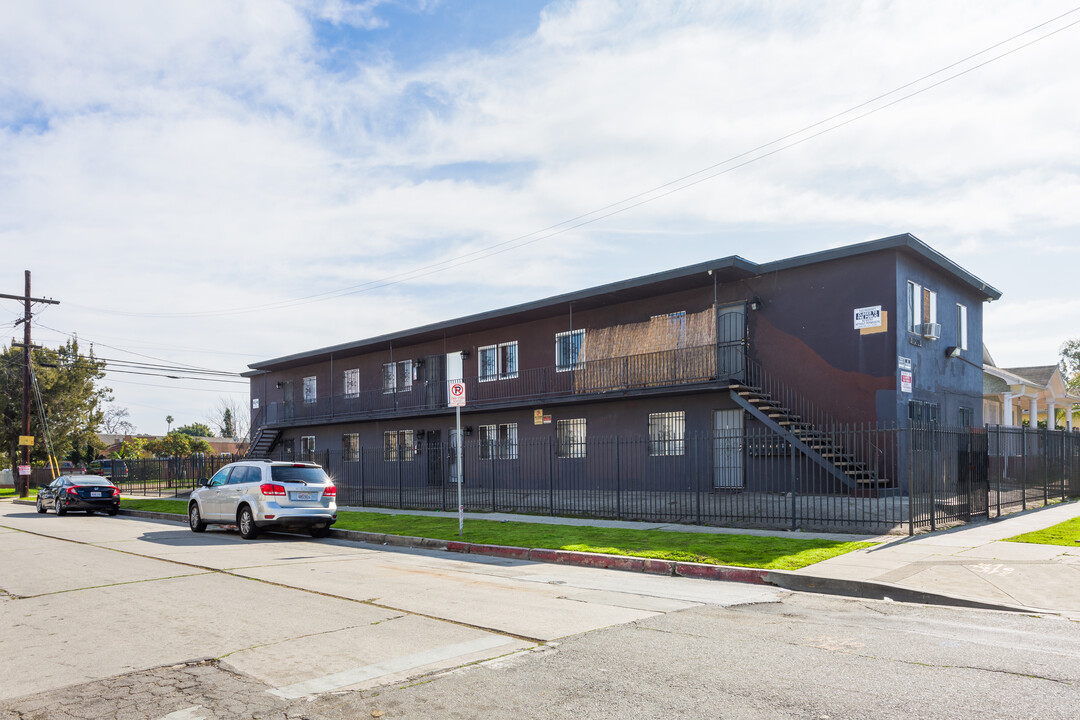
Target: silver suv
(261, 494)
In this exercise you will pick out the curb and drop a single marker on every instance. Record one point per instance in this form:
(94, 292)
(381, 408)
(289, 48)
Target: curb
(784, 579)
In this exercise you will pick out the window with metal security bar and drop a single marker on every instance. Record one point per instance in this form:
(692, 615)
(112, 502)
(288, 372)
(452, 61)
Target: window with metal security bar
(352, 383)
(567, 349)
(397, 376)
(350, 447)
(966, 416)
(309, 390)
(399, 445)
(667, 433)
(307, 447)
(498, 442)
(571, 438)
(498, 362)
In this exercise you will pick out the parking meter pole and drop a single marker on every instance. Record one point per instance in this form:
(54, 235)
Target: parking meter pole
(460, 479)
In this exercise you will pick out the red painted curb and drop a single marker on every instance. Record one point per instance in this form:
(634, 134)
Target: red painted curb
(545, 555)
(458, 546)
(659, 567)
(696, 570)
(506, 551)
(611, 562)
(746, 575)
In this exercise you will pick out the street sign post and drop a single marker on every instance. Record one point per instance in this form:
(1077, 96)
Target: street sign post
(456, 393)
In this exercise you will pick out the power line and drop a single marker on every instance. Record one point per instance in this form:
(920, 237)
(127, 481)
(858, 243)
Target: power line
(661, 191)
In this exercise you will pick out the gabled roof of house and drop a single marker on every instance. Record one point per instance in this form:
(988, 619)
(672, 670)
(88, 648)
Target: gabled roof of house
(728, 269)
(1039, 374)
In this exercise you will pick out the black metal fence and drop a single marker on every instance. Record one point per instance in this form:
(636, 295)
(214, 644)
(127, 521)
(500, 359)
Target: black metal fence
(923, 478)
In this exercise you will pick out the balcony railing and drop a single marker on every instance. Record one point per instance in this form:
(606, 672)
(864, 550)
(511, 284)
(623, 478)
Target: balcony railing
(666, 368)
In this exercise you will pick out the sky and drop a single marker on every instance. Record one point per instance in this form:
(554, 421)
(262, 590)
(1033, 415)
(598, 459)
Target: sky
(213, 183)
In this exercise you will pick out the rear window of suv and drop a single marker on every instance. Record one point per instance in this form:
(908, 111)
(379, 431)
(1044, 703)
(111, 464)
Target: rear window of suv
(286, 473)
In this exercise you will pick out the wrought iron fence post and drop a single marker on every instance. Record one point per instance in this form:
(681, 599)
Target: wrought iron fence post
(698, 474)
(794, 518)
(551, 478)
(363, 499)
(397, 462)
(1023, 465)
(932, 479)
(618, 482)
(1046, 462)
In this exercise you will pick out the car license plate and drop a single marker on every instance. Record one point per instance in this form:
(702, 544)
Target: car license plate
(95, 494)
(303, 496)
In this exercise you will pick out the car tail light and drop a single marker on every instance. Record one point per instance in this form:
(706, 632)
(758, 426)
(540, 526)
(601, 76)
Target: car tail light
(330, 491)
(73, 491)
(116, 492)
(272, 489)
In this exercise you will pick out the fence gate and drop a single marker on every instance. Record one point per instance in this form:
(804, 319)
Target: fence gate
(973, 471)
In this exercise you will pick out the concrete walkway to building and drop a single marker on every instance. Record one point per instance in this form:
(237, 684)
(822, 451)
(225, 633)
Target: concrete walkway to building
(974, 562)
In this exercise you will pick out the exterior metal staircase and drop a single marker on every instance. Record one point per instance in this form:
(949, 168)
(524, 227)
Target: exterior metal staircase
(826, 448)
(263, 442)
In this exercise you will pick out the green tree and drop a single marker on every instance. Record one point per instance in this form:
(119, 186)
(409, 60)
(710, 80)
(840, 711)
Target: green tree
(177, 444)
(130, 449)
(196, 430)
(71, 394)
(227, 427)
(1070, 364)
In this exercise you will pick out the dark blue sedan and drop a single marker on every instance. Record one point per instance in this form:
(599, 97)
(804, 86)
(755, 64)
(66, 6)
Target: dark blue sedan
(88, 493)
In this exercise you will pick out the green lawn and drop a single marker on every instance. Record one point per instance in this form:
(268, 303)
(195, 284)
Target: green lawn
(1066, 533)
(773, 553)
(11, 492)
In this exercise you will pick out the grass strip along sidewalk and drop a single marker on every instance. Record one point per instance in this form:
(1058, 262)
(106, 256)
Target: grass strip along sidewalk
(754, 551)
(1066, 533)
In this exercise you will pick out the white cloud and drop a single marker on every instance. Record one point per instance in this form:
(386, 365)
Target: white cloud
(160, 157)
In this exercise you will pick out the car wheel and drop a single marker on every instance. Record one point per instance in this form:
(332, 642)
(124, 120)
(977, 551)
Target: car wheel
(113, 511)
(195, 519)
(40, 506)
(320, 532)
(60, 509)
(246, 522)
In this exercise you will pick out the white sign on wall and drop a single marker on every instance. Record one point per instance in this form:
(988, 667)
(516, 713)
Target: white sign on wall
(905, 381)
(868, 317)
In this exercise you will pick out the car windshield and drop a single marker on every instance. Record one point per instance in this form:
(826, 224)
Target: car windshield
(289, 473)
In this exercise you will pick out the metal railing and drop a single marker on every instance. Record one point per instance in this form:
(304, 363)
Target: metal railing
(667, 368)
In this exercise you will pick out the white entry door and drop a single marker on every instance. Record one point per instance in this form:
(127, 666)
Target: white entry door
(728, 449)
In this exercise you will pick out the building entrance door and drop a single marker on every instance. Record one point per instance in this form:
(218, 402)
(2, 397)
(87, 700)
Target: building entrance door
(728, 449)
(731, 342)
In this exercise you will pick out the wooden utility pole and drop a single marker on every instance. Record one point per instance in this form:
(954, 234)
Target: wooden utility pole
(22, 482)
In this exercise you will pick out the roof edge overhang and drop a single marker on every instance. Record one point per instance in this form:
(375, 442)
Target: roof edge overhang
(905, 241)
(728, 269)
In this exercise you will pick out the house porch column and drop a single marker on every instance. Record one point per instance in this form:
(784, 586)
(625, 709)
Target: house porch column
(1033, 413)
(1007, 411)
(1051, 416)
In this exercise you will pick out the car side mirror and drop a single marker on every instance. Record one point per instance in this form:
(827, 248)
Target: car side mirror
(205, 482)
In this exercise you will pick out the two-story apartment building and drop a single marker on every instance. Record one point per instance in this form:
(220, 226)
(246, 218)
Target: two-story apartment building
(887, 331)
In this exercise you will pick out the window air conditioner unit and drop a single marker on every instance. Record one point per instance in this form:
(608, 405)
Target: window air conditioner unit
(930, 331)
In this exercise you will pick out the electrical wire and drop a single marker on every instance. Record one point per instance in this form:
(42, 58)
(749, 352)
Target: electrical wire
(648, 196)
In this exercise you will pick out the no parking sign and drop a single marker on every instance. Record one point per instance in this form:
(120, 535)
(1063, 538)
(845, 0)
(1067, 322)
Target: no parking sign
(457, 394)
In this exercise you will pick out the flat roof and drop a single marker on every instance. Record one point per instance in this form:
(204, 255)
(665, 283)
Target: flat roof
(726, 269)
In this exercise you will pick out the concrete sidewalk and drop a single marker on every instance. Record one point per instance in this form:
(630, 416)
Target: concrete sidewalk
(965, 566)
(973, 562)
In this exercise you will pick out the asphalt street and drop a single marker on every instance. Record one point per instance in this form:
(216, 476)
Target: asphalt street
(125, 618)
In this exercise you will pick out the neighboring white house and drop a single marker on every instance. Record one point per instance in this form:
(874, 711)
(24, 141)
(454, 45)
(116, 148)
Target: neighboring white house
(1011, 395)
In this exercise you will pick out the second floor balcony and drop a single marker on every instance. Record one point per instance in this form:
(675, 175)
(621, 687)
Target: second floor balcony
(618, 375)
